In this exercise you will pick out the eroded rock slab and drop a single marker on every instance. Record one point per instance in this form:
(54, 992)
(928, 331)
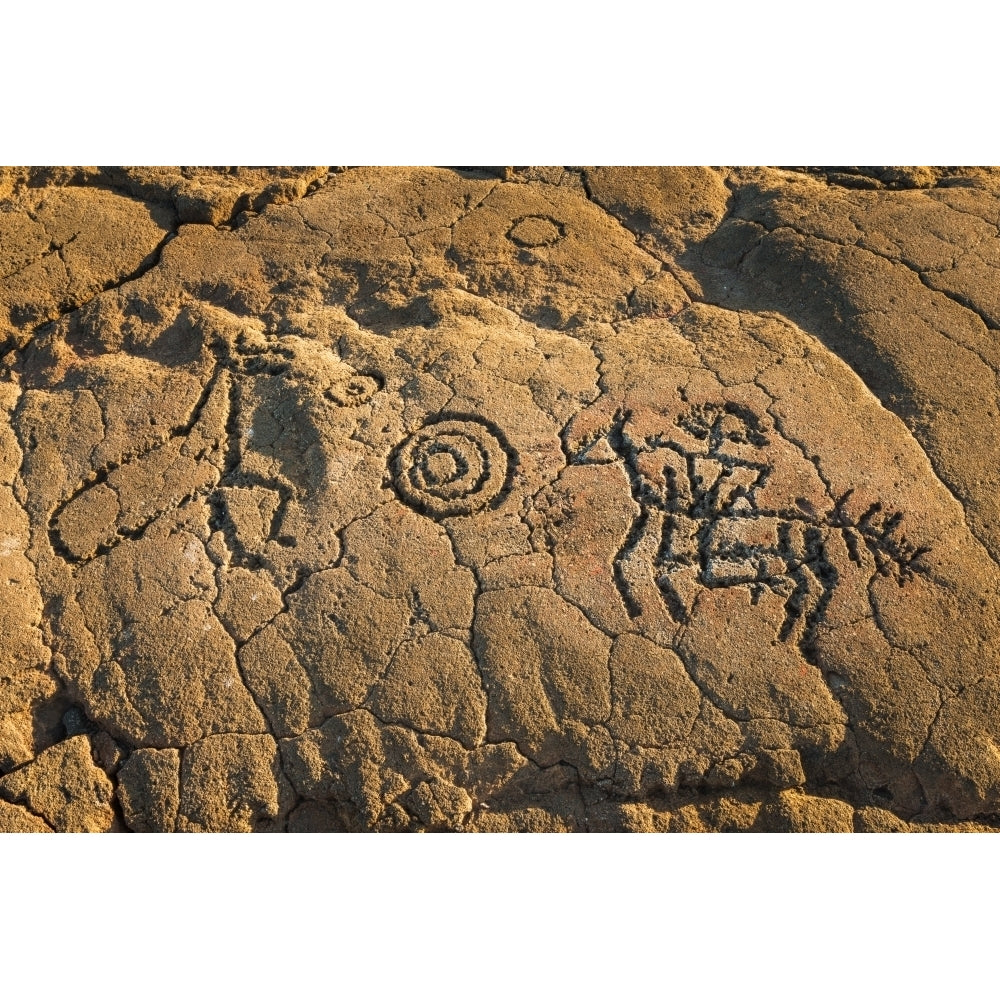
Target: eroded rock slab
(550, 499)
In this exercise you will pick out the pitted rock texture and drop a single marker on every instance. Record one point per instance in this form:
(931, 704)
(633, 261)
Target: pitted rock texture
(501, 499)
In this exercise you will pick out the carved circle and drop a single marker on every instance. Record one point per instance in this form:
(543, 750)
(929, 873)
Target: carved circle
(356, 390)
(533, 231)
(451, 467)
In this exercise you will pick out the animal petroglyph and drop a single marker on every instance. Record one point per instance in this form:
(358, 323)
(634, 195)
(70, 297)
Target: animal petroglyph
(700, 521)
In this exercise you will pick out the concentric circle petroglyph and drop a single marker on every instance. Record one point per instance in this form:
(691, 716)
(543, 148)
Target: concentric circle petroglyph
(451, 467)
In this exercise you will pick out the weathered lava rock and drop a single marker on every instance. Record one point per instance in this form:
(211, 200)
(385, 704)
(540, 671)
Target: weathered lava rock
(546, 499)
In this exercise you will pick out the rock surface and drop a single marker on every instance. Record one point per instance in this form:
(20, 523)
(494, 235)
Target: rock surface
(513, 499)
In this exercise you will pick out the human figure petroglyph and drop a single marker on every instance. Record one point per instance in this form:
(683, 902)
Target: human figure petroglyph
(193, 542)
(254, 429)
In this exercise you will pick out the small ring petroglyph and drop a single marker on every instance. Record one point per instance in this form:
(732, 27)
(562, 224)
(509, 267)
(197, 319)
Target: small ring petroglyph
(533, 231)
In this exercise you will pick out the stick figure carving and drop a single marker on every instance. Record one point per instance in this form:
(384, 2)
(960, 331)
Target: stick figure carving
(252, 428)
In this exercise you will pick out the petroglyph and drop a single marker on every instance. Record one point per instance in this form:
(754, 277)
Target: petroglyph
(453, 466)
(201, 458)
(534, 231)
(434, 501)
(700, 522)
